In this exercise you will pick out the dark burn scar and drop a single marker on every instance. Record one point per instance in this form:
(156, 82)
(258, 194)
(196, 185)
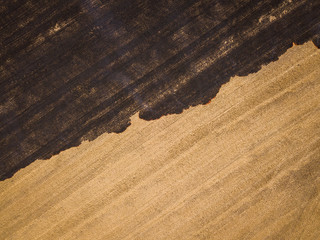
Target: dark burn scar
(72, 70)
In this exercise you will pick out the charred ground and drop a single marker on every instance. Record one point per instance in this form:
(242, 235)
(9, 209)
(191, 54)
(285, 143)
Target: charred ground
(73, 70)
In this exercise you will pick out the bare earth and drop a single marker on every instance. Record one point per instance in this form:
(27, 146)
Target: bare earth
(245, 166)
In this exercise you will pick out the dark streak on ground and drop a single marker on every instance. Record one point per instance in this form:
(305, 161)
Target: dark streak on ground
(72, 70)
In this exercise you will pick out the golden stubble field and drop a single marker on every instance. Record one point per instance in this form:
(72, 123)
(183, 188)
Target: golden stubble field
(245, 166)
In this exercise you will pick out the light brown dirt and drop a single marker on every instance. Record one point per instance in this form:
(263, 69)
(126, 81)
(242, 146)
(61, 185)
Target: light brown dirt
(245, 166)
